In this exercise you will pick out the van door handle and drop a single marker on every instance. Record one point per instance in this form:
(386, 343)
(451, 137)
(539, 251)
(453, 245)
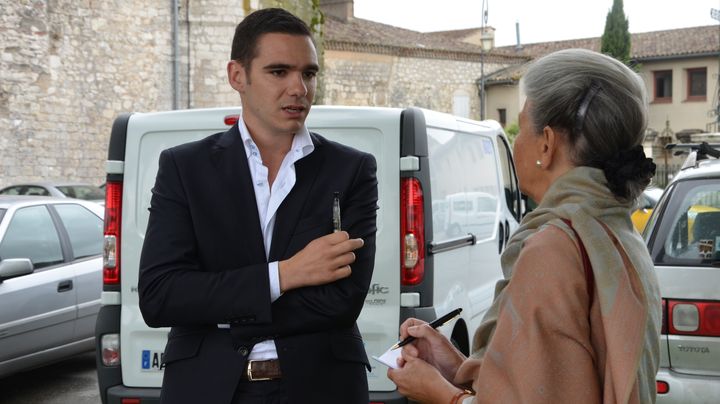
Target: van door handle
(64, 286)
(501, 237)
(507, 232)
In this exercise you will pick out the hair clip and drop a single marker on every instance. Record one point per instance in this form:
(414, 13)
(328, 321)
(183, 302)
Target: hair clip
(584, 105)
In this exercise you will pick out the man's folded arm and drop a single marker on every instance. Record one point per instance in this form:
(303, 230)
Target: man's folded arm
(173, 290)
(324, 307)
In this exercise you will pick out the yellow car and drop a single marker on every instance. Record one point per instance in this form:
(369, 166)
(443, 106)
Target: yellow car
(692, 214)
(647, 202)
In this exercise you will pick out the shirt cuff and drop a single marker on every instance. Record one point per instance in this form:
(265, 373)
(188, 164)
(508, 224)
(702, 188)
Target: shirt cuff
(274, 275)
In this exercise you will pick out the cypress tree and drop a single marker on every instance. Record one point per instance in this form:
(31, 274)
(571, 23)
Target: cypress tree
(616, 38)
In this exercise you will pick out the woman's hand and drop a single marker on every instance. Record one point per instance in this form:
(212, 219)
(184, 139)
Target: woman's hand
(421, 382)
(430, 346)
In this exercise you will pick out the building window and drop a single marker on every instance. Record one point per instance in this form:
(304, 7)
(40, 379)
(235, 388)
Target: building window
(461, 104)
(697, 84)
(502, 116)
(663, 85)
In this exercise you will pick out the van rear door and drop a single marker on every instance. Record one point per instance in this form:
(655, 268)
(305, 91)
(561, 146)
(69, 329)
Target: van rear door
(375, 131)
(148, 134)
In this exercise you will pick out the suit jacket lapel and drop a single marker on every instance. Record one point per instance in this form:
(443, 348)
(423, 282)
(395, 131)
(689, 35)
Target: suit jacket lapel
(288, 214)
(229, 157)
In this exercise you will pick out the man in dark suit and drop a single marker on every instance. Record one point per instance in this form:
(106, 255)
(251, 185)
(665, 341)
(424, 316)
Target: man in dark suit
(240, 257)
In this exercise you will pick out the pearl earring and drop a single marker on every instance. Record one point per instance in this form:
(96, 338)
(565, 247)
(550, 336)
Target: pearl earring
(538, 163)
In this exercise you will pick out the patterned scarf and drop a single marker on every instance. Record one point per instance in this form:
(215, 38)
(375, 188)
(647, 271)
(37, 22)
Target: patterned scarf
(629, 299)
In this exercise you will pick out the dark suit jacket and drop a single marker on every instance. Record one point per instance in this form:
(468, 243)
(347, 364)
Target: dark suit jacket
(203, 263)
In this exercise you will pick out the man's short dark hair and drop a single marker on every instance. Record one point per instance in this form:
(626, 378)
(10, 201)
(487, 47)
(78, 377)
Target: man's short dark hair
(258, 23)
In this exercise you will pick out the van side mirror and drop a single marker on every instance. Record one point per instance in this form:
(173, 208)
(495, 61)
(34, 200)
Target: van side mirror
(12, 267)
(528, 205)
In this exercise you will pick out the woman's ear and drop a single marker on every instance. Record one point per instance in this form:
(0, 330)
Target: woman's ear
(549, 143)
(553, 149)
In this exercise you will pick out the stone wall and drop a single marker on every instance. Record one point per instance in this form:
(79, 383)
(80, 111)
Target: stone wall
(367, 79)
(69, 67)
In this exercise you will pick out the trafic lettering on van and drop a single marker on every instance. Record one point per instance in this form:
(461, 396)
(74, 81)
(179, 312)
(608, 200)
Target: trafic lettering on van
(377, 288)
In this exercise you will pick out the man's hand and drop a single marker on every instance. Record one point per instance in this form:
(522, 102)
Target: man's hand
(324, 260)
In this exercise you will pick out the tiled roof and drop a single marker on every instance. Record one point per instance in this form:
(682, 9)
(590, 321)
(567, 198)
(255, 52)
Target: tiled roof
(508, 75)
(676, 42)
(647, 45)
(361, 35)
(644, 46)
(460, 34)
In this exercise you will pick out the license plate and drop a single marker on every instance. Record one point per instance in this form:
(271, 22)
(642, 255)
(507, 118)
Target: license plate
(151, 361)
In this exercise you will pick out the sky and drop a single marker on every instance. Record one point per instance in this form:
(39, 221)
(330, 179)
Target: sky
(540, 20)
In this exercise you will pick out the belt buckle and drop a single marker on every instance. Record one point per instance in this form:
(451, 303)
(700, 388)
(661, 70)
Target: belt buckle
(250, 375)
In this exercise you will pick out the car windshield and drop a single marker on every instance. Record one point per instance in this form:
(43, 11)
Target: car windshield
(690, 234)
(650, 198)
(86, 192)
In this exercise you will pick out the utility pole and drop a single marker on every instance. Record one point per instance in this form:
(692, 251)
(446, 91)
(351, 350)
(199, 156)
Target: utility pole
(715, 14)
(483, 41)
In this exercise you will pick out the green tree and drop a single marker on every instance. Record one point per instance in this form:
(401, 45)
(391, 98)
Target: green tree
(616, 38)
(512, 130)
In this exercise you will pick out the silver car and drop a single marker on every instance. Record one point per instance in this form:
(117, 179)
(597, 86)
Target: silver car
(50, 279)
(58, 189)
(683, 236)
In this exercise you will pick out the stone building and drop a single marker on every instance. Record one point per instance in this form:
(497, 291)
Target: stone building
(680, 71)
(69, 67)
(368, 63)
(679, 67)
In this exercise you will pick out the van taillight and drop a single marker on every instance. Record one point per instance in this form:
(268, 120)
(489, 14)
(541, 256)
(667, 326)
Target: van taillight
(693, 317)
(231, 120)
(110, 349)
(412, 232)
(111, 244)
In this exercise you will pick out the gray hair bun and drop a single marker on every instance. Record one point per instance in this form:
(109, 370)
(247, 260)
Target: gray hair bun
(630, 168)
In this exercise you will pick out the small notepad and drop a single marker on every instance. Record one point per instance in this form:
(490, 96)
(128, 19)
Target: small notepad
(389, 358)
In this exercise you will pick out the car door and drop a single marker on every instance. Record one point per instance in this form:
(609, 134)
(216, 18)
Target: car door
(685, 246)
(38, 309)
(84, 229)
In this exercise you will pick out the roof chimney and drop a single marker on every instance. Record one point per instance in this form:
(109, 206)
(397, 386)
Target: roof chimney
(338, 9)
(518, 47)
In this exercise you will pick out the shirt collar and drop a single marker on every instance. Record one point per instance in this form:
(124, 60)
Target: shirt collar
(302, 142)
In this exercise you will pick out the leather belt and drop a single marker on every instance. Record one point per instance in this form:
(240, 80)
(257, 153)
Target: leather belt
(262, 370)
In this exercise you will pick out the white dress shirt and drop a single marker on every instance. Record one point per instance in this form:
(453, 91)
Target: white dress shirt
(268, 200)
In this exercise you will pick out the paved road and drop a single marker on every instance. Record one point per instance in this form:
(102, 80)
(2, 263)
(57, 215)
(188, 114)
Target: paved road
(71, 381)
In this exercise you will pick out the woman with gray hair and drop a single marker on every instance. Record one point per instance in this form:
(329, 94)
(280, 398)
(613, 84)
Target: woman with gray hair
(577, 317)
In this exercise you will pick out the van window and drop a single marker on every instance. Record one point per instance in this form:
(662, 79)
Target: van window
(510, 185)
(464, 184)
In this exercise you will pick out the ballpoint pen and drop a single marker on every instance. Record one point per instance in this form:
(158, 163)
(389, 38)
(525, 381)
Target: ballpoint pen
(336, 212)
(434, 324)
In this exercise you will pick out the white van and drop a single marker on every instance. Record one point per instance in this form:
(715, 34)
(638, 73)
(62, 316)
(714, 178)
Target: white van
(426, 162)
